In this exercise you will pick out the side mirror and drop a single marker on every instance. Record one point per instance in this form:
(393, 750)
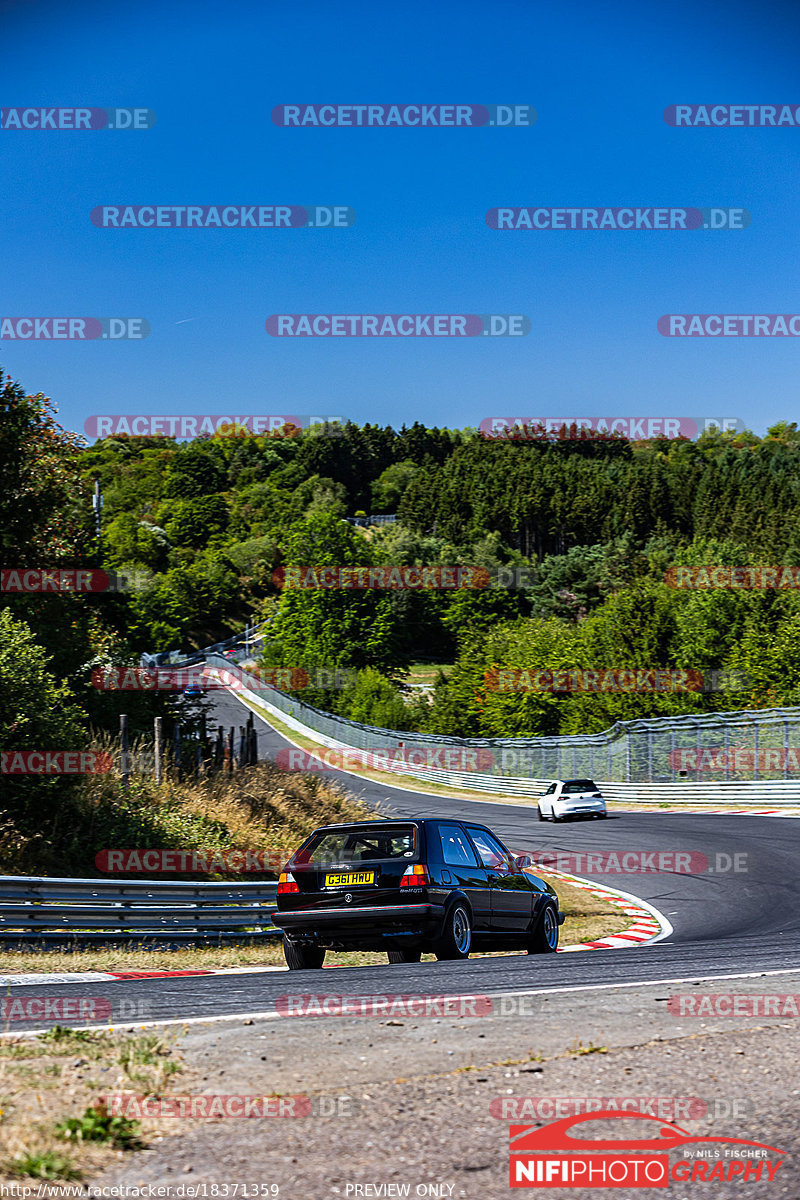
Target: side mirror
(523, 861)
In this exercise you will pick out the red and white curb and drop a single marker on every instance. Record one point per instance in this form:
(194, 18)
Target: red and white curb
(31, 978)
(706, 811)
(649, 925)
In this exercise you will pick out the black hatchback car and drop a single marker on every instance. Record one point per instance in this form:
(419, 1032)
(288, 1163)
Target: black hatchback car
(407, 886)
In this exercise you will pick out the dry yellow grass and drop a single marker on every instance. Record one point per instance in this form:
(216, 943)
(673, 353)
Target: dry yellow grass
(44, 1081)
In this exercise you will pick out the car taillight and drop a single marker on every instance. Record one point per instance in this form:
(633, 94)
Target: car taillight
(416, 876)
(286, 883)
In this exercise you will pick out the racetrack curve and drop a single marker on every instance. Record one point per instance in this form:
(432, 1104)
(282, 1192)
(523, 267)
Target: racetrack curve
(725, 923)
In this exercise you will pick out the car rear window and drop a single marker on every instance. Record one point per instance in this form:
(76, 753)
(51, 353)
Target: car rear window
(368, 844)
(578, 785)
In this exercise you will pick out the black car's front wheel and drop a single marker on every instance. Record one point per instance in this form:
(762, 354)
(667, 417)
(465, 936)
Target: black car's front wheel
(456, 937)
(544, 939)
(404, 956)
(300, 957)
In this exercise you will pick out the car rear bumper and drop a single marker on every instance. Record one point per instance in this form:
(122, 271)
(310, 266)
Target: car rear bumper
(366, 923)
(588, 806)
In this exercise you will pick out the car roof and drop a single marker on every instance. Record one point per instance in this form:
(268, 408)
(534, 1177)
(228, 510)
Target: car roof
(388, 821)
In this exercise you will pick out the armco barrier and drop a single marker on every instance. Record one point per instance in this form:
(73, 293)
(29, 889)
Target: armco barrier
(581, 756)
(41, 909)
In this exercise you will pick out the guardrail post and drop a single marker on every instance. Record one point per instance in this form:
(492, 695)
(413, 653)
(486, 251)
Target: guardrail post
(125, 744)
(627, 757)
(158, 739)
(672, 753)
(230, 749)
(726, 738)
(755, 750)
(242, 747)
(253, 740)
(649, 756)
(786, 748)
(219, 750)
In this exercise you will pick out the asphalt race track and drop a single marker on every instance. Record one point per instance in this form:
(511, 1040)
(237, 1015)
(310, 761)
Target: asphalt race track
(726, 922)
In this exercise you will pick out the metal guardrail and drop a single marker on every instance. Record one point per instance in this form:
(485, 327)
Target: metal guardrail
(304, 719)
(40, 908)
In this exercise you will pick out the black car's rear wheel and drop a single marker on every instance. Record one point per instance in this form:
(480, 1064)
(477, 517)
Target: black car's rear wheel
(404, 956)
(456, 936)
(544, 939)
(302, 957)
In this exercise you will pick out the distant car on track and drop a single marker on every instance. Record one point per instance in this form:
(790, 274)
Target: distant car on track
(568, 798)
(411, 886)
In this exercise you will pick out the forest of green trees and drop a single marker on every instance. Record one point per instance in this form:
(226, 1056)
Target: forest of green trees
(206, 523)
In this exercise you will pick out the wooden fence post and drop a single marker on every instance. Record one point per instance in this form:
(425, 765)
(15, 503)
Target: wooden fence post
(125, 745)
(158, 732)
(176, 750)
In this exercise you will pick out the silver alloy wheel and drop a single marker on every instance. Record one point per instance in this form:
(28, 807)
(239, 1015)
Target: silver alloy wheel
(462, 934)
(550, 926)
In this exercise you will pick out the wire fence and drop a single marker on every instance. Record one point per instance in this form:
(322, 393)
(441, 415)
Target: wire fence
(757, 744)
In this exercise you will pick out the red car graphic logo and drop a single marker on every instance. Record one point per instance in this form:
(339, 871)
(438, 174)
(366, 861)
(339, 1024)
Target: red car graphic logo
(556, 1136)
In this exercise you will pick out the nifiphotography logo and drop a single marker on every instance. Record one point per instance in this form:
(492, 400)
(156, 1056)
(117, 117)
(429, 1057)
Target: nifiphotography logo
(574, 1161)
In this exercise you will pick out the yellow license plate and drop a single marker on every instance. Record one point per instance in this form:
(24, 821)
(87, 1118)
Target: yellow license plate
(350, 879)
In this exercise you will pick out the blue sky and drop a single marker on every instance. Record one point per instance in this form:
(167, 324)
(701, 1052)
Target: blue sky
(599, 77)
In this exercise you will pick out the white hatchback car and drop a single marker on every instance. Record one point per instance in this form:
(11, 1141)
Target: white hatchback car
(568, 798)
